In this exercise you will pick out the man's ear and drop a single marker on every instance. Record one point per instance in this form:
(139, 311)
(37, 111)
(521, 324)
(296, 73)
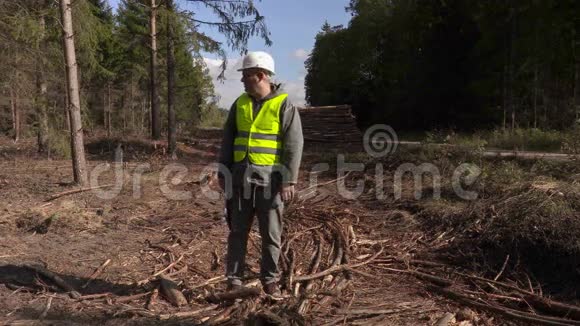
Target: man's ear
(261, 75)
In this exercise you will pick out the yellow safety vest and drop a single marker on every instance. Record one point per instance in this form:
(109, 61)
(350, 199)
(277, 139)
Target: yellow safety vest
(258, 137)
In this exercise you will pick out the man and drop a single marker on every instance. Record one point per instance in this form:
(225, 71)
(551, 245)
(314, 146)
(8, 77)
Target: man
(261, 151)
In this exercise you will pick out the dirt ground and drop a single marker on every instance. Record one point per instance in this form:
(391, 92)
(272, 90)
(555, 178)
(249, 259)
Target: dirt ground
(142, 234)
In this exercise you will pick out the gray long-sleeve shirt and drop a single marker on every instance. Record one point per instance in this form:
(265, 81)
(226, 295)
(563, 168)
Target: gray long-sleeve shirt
(292, 146)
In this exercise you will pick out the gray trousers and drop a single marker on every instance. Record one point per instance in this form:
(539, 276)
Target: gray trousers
(241, 212)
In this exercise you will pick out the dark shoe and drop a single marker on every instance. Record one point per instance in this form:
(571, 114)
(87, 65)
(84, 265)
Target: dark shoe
(272, 289)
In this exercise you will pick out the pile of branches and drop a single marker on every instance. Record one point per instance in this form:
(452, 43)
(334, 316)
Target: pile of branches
(508, 299)
(323, 255)
(316, 270)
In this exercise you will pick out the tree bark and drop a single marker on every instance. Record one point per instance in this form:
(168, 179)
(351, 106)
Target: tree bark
(77, 144)
(155, 122)
(505, 102)
(42, 116)
(512, 56)
(124, 109)
(575, 96)
(575, 105)
(535, 95)
(131, 106)
(66, 112)
(105, 110)
(143, 111)
(171, 141)
(15, 114)
(536, 79)
(109, 110)
(41, 96)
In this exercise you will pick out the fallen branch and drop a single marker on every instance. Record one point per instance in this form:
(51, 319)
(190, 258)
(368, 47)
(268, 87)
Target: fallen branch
(152, 299)
(291, 267)
(214, 280)
(134, 310)
(94, 296)
(221, 317)
(147, 280)
(506, 312)
(296, 236)
(333, 292)
(75, 191)
(96, 273)
(168, 266)
(183, 270)
(420, 262)
(335, 269)
(337, 257)
(171, 292)
(56, 279)
(198, 271)
(435, 279)
(445, 320)
(132, 297)
(244, 292)
(485, 280)
(507, 258)
(302, 307)
(301, 192)
(187, 314)
(554, 307)
(267, 317)
(46, 309)
(370, 312)
(370, 242)
(216, 260)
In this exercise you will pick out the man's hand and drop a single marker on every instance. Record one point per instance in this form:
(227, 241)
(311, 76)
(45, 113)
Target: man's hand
(287, 192)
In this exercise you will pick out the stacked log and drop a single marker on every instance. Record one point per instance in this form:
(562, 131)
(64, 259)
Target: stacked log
(320, 125)
(329, 124)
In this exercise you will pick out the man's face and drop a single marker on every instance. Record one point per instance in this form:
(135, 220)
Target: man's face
(251, 78)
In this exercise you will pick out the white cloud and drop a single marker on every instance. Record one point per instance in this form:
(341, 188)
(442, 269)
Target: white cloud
(229, 89)
(300, 54)
(295, 90)
(302, 74)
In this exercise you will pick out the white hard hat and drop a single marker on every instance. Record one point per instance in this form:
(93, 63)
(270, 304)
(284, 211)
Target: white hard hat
(258, 59)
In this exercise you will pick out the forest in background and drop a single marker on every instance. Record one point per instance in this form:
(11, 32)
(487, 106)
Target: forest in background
(114, 59)
(457, 64)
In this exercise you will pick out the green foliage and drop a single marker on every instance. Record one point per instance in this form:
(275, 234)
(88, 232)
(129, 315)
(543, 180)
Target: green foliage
(213, 117)
(526, 139)
(59, 144)
(93, 27)
(459, 64)
(571, 143)
(113, 56)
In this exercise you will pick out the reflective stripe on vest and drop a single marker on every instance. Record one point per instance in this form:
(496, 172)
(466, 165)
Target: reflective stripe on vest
(259, 137)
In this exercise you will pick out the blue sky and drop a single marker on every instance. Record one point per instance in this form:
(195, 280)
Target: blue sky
(293, 26)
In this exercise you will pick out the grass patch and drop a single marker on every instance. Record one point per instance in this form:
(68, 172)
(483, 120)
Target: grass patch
(527, 209)
(519, 139)
(213, 118)
(59, 144)
(526, 139)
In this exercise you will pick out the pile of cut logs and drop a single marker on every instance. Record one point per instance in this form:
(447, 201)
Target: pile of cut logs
(329, 124)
